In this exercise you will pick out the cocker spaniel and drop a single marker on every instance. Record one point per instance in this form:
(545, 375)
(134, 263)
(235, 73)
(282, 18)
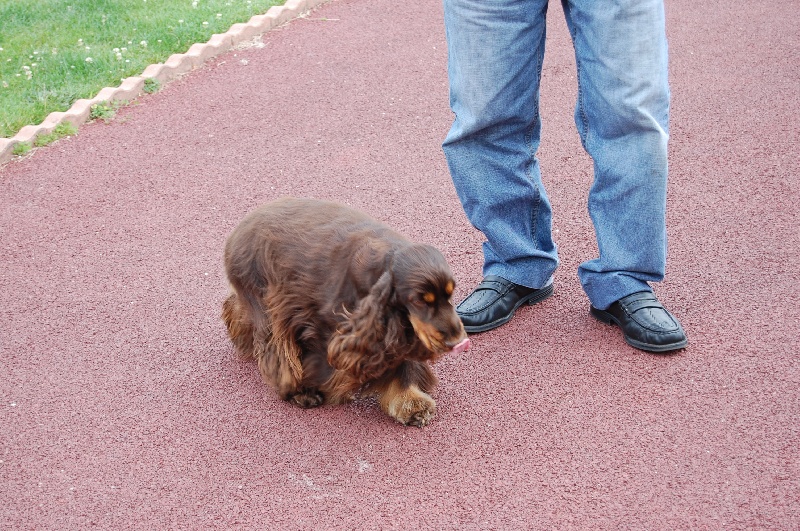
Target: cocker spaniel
(332, 303)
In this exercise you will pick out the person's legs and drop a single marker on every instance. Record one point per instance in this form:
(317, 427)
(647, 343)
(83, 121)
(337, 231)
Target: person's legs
(495, 52)
(622, 117)
(495, 58)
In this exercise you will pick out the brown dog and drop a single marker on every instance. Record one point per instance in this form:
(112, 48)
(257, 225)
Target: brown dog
(331, 302)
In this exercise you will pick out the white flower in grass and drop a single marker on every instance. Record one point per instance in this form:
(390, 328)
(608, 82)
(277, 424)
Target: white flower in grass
(205, 23)
(89, 60)
(143, 44)
(5, 85)
(219, 15)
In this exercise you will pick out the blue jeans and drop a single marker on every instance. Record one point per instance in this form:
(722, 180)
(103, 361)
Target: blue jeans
(495, 52)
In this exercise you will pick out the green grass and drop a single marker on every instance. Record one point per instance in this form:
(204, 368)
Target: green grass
(61, 130)
(54, 52)
(23, 148)
(105, 111)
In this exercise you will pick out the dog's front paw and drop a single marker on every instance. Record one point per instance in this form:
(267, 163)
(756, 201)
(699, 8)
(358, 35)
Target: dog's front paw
(423, 415)
(308, 398)
(411, 407)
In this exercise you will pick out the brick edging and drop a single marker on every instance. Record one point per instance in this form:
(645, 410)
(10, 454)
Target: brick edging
(176, 65)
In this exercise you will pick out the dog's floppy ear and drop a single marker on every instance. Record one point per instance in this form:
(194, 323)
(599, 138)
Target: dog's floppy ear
(357, 346)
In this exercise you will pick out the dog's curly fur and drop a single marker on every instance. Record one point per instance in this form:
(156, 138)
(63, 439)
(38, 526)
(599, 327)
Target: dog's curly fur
(331, 302)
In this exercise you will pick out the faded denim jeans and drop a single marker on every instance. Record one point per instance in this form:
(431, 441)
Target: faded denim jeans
(495, 53)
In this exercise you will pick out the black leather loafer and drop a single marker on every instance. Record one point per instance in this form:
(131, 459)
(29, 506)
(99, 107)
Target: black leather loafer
(494, 302)
(645, 323)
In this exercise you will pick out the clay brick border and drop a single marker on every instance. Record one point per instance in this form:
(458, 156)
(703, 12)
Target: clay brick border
(176, 65)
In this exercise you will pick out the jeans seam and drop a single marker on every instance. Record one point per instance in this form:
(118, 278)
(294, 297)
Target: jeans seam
(532, 158)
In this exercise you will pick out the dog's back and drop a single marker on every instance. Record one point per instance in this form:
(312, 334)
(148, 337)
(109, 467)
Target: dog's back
(299, 240)
(300, 247)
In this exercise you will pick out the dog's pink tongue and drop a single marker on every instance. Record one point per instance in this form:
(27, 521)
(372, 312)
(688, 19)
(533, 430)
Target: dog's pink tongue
(461, 347)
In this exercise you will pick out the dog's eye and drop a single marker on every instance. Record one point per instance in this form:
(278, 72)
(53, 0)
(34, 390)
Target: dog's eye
(450, 287)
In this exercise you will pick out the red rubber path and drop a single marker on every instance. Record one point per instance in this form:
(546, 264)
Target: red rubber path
(122, 404)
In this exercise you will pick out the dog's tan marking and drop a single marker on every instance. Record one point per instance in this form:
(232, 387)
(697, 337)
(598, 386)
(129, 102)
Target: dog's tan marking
(240, 328)
(428, 334)
(429, 297)
(450, 287)
(409, 405)
(291, 354)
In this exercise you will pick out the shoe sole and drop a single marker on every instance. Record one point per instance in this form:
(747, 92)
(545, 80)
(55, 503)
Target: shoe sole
(533, 298)
(605, 317)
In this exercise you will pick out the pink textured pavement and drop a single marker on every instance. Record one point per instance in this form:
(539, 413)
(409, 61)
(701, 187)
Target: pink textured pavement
(122, 405)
